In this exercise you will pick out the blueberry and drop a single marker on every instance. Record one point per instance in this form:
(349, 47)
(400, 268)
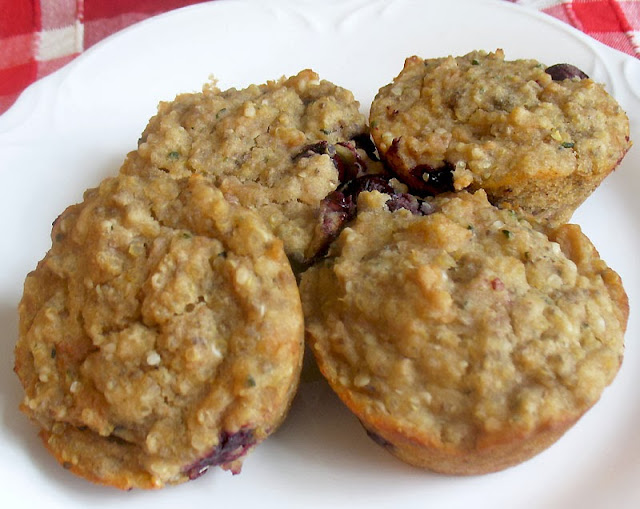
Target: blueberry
(344, 155)
(383, 442)
(231, 446)
(405, 201)
(422, 179)
(340, 207)
(336, 209)
(433, 181)
(366, 183)
(365, 142)
(560, 72)
(321, 147)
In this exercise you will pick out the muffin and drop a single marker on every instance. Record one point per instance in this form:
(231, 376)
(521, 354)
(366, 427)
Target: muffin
(278, 148)
(464, 339)
(160, 335)
(533, 137)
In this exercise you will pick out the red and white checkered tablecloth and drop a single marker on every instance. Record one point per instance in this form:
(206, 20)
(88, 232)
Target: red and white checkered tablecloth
(39, 36)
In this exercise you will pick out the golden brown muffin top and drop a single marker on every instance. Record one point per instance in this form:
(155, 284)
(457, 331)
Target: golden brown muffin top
(466, 324)
(160, 334)
(493, 120)
(254, 143)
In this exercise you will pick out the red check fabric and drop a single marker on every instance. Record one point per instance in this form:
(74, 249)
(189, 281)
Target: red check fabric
(38, 37)
(615, 23)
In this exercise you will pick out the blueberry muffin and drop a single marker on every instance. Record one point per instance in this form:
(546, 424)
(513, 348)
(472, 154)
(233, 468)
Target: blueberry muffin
(277, 148)
(161, 334)
(533, 137)
(463, 338)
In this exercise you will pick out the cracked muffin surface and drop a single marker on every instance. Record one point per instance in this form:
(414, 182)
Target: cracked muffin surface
(161, 334)
(463, 338)
(534, 137)
(261, 144)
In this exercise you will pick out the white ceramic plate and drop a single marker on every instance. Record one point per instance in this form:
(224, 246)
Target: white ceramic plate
(73, 128)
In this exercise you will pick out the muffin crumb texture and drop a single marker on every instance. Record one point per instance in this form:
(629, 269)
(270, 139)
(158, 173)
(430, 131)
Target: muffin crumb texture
(489, 340)
(160, 335)
(533, 137)
(444, 297)
(254, 144)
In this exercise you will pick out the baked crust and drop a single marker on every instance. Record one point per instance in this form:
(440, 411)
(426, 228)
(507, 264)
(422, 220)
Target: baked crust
(160, 335)
(263, 145)
(516, 129)
(465, 340)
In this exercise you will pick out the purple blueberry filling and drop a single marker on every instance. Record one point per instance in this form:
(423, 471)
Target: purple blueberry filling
(230, 447)
(366, 183)
(336, 209)
(381, 183)
(364, 142)
(344, 155)
(410, 202)
(383, 442)
(319, 148)
(340, 207)
(434, 181)
(560, 72)
(423, 179)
